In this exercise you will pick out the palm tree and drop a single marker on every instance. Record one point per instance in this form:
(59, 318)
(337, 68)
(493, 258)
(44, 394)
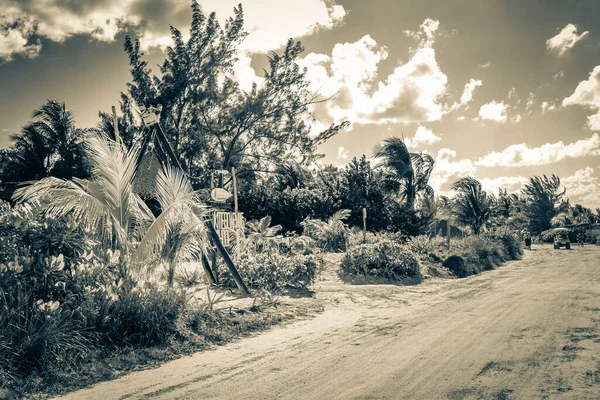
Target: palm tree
(472, 206)
(405, 171)
(290, 175)
(543, 201)
(32, 153)
(434, 210)
(506, 203)
(57, 124)
(106, 204)
(331, 234)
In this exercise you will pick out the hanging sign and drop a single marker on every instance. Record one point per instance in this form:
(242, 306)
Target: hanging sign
(219, 195)
(150, 115)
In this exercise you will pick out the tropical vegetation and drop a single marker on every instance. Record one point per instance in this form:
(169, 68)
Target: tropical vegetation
(91, 267)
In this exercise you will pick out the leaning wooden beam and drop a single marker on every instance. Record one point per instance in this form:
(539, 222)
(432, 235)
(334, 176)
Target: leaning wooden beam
(214, 265)
(207, 270)
(232, 270)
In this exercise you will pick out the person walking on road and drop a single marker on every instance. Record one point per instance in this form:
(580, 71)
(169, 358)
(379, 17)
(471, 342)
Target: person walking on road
(527, 241)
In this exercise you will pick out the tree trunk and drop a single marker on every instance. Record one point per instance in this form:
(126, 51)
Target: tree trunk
(171, 274)
(232, 270)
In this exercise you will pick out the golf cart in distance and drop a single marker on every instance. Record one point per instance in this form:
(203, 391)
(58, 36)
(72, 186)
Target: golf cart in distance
(561, 238)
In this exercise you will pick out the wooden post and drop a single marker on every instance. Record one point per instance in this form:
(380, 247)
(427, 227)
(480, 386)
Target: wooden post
(214, 265)
(206, 266)
(116, 125)
(448, 231)
(364, 225)
(212, 180)
(235, 198)
(232, 270)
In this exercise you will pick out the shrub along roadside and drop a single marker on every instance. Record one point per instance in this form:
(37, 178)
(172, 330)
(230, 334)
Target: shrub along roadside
(384, 259)
(64, 325)
(474, 254)
(198, 331)
(275, 264)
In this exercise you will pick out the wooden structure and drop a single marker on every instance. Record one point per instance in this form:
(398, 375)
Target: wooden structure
(229, 226)
(156, 153)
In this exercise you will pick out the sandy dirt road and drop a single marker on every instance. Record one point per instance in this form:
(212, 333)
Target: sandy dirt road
(528, 330)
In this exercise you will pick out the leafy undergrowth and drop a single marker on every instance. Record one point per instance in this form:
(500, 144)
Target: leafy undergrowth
(465, 256)
(209, 329)
(409, 260)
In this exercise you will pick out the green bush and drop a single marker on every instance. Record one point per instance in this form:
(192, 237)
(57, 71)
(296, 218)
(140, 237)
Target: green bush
(22, 233)
(511, 244)
(384, 259)
(273, 271)
(430, 247)
(40, 324)
(457, 265)
(145, 317)
(481, 252)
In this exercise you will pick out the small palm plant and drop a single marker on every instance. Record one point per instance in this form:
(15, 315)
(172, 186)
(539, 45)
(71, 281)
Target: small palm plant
(330, 235)
(261, 229)
(107, 205)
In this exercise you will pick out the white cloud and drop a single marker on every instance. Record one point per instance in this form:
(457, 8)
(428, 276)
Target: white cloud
(426, 34)
(587, 93)
(547, 107)
(565, 39)
(467, 95)
(530, 102)
(511, 183)
(559, 75)
(493, 111)
(486, 65)
(521, 155)
(447, 171)
(15, 31)
(270, 23)
(423, 136)
(411, 93)
(342, 154)
(583, 188)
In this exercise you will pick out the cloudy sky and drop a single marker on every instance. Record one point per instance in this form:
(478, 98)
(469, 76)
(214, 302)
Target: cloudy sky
(501, 90)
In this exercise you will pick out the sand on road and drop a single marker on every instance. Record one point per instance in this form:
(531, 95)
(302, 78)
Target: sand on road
(529, 329)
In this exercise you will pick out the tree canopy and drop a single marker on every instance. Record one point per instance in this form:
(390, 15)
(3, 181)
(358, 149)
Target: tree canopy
(210, 120)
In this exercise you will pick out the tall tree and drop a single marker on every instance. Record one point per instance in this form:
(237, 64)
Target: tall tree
(57, 124)
(32, 154)
(404, 171)
(543, 201)
(364, 189)
(472, 206)
(204, 108)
